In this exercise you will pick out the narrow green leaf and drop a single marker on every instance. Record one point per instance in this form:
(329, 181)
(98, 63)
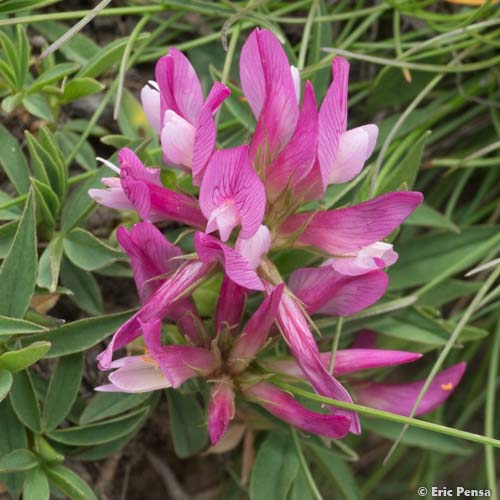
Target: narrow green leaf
(12, 326)
(79, 335)
(15, 361)
(51, 76)
(13, 162)
(110, 404)
(36, 485)
(275, 468)
(427, 216)
(434, 255)
(24, 401)
(63, 389)
(5, 384)
(188, 426)
(337, 471)
(418, 437)
(12, 437)
(50, 264)
(405, 171)
(88, 252)
(18, 282)
(69, 483)
(86, 292)
(79, 203)
(102, 432)
(18, 460)
(37, 105)
(79, 88)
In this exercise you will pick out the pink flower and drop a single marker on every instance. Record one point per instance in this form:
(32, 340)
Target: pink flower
(220, 409)
(175, 108)
(232, 194)
(140, 188)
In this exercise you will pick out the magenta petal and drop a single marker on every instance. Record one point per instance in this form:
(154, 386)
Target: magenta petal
(345, 230)
(285, 407)
(131, 166)
(178, 362)
(350, 361)
(253, 80)
(254, 334)
(237, 268)
(205, 132)
(230, 305)
(180, 88)
(323, 290)
(333, 118)
(296, 159)
(151, 255)
(232, 193)
(300, 340)
(264, 70)
(173, 289)
(185, 315)
(220, 409)
(400, 398)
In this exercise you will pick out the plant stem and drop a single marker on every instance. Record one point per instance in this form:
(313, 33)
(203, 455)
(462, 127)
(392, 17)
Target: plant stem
(303, 464)
(307, 34)
(335, 344)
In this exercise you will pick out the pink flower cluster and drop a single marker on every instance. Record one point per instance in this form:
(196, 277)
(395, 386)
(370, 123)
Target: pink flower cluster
(250, 204)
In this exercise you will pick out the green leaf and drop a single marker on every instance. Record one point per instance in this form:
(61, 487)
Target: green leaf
(420, 438)
(80, 204)
(78, 48)
(427, 216)
(86, 293)
(18, 460)
(102, 432)
(79, 88)
(46, 202)
(51, 76)
(50, 264)
(337, 471)
(36, 485)
(100, 451)
(37, 105)
(88, 252)
(85, 157)
(79, 335)
(429, 256)
(15, 361)
(13, 162)
(110, 404)
(275, 468)
(69, 483)
(63, 389)
(17, 282)
(405, 171)
(24, 401)
(188, 426)
(5, 384)
(12, 326)
(12, 437)
(105, 58)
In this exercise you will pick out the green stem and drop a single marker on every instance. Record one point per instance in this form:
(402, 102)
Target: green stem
(335, 344)
(447, 348)
(303, 464)
(392, 417)
(307, 34)
(489, 421)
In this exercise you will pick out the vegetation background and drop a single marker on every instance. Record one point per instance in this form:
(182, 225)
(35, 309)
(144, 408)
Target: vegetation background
(425, 71)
